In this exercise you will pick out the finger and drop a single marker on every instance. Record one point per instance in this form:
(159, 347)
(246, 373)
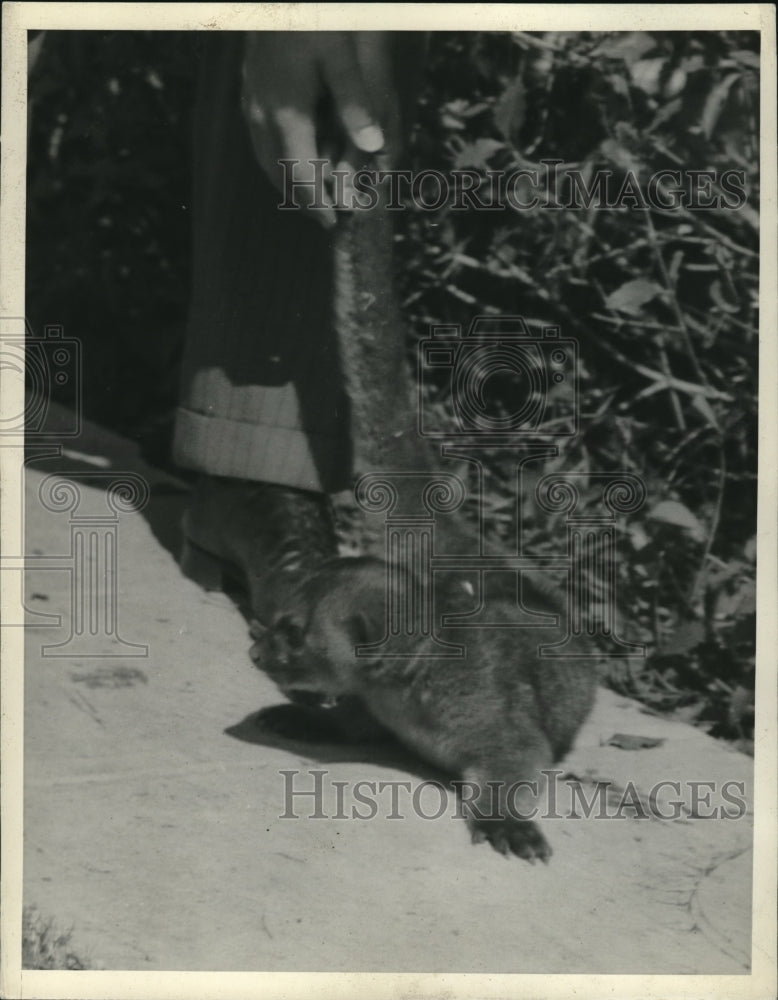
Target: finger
(299, 180)
(303, 181)
(278, 104)
(335, 175)
(361, 185)
(265, 145)
(374, 56)
(344, 78)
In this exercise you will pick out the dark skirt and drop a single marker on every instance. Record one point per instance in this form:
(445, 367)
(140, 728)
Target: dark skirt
(261, 394)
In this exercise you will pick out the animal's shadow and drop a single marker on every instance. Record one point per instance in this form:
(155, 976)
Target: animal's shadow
(304, 731)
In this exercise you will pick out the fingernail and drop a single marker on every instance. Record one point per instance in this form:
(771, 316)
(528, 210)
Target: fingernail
(370, 139)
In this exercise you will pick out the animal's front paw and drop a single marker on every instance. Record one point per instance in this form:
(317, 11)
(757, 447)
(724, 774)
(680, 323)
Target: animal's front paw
(512, 836)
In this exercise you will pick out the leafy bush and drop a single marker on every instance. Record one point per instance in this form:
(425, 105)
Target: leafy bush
(663, 305)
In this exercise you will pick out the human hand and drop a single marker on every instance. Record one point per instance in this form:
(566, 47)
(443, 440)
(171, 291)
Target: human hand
(311, 95)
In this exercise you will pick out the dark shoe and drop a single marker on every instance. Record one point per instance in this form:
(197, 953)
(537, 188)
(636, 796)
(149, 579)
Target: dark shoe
(266, 536)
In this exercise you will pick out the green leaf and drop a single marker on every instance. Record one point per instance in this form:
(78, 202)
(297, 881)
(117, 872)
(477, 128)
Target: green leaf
(747, 58)
(510, 110)
(686, 637)
(673, 512)
(477, 154)
(714, 104)
(646, 74)
(701, 404)
(717, 295)
(632, 296)
(617, 153)
(630, 46)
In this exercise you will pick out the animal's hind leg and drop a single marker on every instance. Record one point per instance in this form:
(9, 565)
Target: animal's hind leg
(501, 796)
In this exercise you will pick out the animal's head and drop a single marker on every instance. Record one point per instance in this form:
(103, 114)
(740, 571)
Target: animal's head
(311, 644)
(282, 652)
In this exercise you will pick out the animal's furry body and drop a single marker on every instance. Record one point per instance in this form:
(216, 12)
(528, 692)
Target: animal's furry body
(499, 714)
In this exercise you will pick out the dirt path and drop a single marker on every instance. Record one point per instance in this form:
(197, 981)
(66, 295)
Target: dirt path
(153, 804)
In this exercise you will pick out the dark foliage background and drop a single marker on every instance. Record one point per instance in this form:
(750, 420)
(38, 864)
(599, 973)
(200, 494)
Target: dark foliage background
(662, 303)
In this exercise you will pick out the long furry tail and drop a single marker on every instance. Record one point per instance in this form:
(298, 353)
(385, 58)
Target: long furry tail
(372, 344)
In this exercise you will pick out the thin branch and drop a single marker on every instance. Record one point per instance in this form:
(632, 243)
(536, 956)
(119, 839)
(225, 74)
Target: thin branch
(680, 319)
(714, 527)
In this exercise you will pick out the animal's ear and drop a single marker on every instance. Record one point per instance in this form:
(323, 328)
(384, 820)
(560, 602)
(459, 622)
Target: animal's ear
(365, 626)
(381, 589)
(289, 632)
(256, 629)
